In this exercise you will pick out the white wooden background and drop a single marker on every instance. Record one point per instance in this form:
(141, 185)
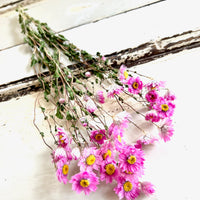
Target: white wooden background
(25, 169)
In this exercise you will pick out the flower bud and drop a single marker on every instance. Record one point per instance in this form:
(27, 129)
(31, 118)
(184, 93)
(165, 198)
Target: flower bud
(61, 100)
(87, 74)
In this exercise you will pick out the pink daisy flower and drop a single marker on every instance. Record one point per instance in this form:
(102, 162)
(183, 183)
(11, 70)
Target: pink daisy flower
(90, 106)
(131, 159)
(100, 97)
(90, 159)
(62, 137)
(127, 188)
(98, 136)
(147, 188)
(169, 96)
(164, 108)
(115, 130)
(153, 117)
(62, 170)
(84, 121)
(121, 119)
(119, 143)
(59, 154)
(145, 141)
(134, 85)
(84, 181)
(151, 96)
(166, 131)
(114, 89)
(107, 150)
(123, 75)
(155, 85)
(108, 171)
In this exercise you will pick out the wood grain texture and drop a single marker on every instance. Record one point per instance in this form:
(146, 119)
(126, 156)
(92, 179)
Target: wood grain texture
(130, 57)
(26, 171)
(67, 14)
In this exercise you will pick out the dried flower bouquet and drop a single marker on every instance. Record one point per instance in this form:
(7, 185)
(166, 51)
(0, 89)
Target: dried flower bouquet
(81, 123)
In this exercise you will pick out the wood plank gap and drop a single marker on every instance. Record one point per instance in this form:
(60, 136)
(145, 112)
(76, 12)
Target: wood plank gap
(130, 57)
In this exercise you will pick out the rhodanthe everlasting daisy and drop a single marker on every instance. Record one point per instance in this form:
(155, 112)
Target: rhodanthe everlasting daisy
(121, 120)
(123, 75)
(100, 97)
(134, 85)
(108, 170)
(98, 136)
(155, 85)
(152, 116)
(62, 137)
(169, 96)
(90, 159)
(127, 188)
(164, 108)
(114, 90)
(90, 106)
(59, 154)
(107, 150)
(145, 141)
(166, 130)
(84, 181)
(131, 159)
(147, 188)
(62, 170)
(151, 96)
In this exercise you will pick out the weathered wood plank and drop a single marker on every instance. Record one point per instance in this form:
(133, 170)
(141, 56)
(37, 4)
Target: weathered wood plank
(26, 171)
(129, 57)
(61, 15)
(104, 36)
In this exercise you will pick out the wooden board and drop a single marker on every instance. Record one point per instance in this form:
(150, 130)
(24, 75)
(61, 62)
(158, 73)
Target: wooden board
(61, 15)
(113, 34)
(26, 171)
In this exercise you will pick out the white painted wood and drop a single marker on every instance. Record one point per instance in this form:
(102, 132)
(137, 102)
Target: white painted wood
(26, 171)
(109, 35)
(62, 15)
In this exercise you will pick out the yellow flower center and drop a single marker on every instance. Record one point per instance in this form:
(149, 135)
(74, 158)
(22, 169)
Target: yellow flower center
(60, 137)
(128, 172)
(125, 74)
(164, 107)
(84, 183)
(98, 136)
(108, 153)
(110, 169)
(90, 160)
(65, 169)
(135, 85)
(119, 138)
(131, 160)
(128, 186)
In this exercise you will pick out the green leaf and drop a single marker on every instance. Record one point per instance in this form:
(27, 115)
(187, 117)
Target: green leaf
(68, 116)
(33, 61)
(100, 75)
(70, 92)
(61, 37)
(42, 134)
(42, 108)
(59, 114)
